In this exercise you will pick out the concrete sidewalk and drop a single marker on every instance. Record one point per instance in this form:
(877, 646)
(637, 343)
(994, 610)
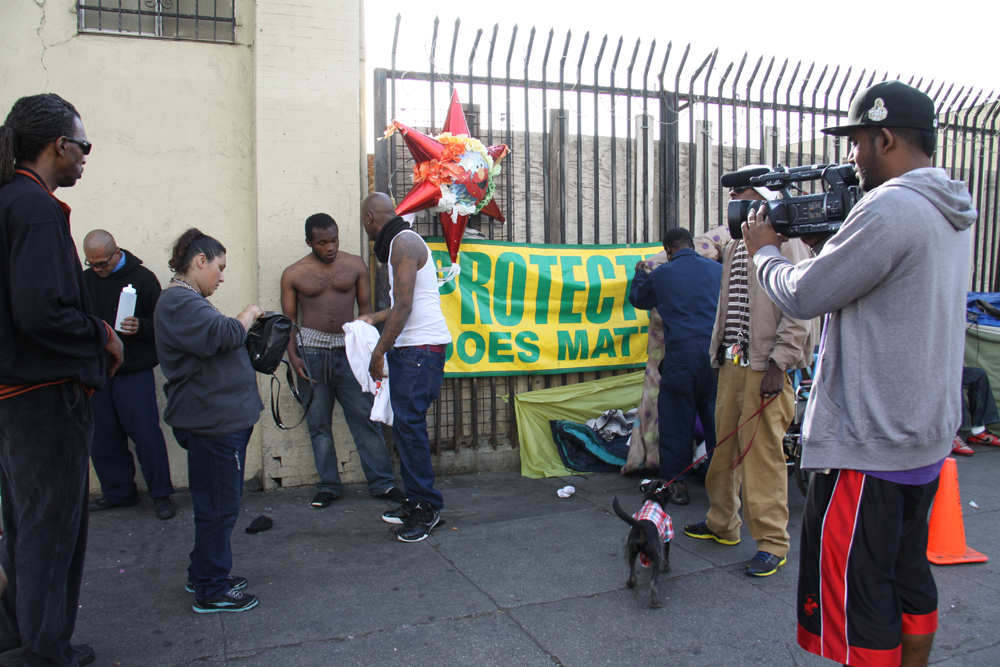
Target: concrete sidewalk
(515, 577)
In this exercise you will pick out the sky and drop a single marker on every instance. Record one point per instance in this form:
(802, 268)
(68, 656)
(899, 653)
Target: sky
(956, 45)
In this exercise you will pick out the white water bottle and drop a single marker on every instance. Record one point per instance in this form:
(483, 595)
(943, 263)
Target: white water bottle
(126, 306)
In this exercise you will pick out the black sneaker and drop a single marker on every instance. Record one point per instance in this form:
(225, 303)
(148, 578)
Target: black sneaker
(679, 493)
(419, 524)
(701, 531)
(398, 515)
(164, 508)
(102, 504)
(393, 495)
(324, 498)
(764, 564)
(235, 583)
(229, 601)
(84, 654)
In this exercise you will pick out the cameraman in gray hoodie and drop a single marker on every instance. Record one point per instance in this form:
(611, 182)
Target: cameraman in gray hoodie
(885, 402)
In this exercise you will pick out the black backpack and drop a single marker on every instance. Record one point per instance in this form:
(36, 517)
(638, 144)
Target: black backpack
(267, 340)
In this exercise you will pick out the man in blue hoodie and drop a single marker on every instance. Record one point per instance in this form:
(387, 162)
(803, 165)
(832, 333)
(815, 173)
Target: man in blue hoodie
(878, 437)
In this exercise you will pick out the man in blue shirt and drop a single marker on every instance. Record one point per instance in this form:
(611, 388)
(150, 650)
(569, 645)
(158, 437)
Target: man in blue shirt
(685, 292)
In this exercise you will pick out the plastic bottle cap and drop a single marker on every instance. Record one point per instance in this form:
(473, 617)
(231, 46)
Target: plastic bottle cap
(129, 289)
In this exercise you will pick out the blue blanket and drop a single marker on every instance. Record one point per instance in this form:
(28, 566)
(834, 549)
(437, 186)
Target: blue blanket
(582, 450)
(974, 313)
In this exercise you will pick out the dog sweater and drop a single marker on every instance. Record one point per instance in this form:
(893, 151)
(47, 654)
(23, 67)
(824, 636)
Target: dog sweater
(653, 511)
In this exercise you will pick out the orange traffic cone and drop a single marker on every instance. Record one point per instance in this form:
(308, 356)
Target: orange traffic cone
(946, 538)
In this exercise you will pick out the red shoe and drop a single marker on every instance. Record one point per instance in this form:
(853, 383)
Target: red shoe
(959, 448)
(984, 438)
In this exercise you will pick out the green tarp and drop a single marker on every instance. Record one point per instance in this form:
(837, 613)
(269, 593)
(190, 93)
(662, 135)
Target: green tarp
(982, 350)
(576, 403)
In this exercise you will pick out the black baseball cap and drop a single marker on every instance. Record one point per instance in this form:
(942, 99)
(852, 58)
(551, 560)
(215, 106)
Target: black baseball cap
(888, 104)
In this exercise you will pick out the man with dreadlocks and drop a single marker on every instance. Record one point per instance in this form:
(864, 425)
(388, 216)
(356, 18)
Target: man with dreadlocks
(54, 352)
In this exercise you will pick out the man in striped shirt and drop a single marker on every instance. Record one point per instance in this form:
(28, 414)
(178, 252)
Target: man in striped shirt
(753, 345)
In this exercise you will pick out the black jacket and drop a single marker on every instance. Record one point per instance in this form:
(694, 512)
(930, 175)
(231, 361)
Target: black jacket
(48, 329)
(140, 347)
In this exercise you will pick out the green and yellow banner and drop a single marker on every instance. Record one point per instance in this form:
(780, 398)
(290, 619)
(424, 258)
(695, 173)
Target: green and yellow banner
(517, 308)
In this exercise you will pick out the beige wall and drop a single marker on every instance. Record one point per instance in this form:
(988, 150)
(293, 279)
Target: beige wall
(241, 140)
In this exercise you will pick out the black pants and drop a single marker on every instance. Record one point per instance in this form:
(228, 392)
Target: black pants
(45, 438)
(981, 407)
(687, 387)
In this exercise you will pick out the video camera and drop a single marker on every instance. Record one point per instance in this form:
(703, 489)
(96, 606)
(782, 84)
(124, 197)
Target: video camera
(805, 215)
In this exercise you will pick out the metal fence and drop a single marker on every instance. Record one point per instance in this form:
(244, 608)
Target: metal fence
(631, 141)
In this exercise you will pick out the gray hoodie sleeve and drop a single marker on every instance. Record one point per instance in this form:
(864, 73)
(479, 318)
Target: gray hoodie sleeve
(853, 261)
(204, 331)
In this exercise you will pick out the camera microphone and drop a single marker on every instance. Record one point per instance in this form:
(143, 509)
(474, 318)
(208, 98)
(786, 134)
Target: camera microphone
(741, 178)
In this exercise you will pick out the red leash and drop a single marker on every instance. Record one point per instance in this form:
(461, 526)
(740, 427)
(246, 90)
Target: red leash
(739, 459)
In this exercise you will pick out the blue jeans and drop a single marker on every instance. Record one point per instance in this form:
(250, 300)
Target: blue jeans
(126, 408)
(45, 437)
(215, 475)
(415, 376)
(334, 381)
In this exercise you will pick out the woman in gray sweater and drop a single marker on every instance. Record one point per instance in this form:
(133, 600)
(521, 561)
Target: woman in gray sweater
(212, 405)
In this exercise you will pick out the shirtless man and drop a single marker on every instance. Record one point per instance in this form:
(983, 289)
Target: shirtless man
(326, 283)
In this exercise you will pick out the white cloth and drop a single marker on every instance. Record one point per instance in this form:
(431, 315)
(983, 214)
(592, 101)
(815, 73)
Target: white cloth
(360, 339)
(426, 325)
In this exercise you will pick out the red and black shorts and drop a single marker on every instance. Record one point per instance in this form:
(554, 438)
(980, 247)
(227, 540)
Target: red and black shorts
(864, 578)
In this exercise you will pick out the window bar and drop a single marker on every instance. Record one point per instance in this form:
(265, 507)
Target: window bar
(614, 146)
(812, 123)
(676, 166)
(546, 218)
(662, 181)
(722, 148)
(826, 114)
(940, 107)
(979, 197)
(579, 142)
(451, 61)
(753, 76)
(840, 96)
(597, 143)
(801, 114)
(562, 138)
(527, 140)
(510, 141)
(706, 174)
(788, 115)
(735, 111)
(760, 110)
(629, 213)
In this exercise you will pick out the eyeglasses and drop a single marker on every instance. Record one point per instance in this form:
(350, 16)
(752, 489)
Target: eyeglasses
(85, 146)
(104, 264)
(735, 190)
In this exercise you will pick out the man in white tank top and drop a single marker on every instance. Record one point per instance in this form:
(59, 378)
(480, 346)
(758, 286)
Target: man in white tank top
(413, 339)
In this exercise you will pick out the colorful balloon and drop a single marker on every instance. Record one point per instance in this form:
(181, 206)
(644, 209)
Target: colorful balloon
(454, 175)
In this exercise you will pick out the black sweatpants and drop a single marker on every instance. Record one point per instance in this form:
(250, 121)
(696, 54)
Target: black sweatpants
(45, 438)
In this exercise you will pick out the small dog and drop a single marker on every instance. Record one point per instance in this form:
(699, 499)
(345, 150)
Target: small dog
(649, 537)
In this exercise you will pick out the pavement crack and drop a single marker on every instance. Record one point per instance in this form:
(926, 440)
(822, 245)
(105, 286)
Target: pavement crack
(225, 640)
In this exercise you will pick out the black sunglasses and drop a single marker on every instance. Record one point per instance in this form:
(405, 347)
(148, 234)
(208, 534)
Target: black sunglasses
(85, 146)
(104, 264)
(737, 190)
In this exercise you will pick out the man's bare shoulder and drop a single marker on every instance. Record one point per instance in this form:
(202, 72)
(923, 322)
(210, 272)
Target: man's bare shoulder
(299, 267)
(351, 260)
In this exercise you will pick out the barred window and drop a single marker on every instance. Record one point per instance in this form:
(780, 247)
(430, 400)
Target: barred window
(203, 20)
